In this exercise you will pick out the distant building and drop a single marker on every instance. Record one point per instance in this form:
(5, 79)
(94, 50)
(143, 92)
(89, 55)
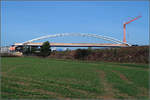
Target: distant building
(5, 49)
(53, 49)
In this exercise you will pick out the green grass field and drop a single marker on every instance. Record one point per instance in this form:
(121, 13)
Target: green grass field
(38, 78)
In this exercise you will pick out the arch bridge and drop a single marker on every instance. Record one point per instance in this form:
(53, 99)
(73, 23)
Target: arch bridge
(115, 42)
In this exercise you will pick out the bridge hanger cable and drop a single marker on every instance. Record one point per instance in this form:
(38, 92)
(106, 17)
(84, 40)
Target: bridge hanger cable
(78, 34)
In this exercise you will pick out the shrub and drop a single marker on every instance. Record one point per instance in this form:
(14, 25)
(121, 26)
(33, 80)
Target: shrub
(81, 53)
(26, 50)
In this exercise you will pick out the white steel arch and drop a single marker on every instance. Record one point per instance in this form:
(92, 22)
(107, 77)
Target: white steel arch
(78, 34)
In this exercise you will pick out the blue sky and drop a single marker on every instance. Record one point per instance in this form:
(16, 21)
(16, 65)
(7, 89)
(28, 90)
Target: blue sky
(22, 21)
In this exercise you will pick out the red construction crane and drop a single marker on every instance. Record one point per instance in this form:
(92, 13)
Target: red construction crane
(124, 28)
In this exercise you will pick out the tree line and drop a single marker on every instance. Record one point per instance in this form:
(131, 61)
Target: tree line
(43, 51)
(138, 54)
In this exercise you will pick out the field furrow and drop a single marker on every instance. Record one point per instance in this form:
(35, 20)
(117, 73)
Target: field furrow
(36, 78)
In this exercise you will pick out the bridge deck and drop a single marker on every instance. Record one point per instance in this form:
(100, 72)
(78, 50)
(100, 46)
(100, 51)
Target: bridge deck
(75, 44)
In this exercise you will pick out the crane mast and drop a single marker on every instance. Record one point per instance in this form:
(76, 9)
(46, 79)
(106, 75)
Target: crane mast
(124, 27)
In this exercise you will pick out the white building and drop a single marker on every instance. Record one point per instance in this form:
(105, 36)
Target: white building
(4, 49)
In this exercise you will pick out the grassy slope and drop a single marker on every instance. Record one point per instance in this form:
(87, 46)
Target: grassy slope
(50, 78)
